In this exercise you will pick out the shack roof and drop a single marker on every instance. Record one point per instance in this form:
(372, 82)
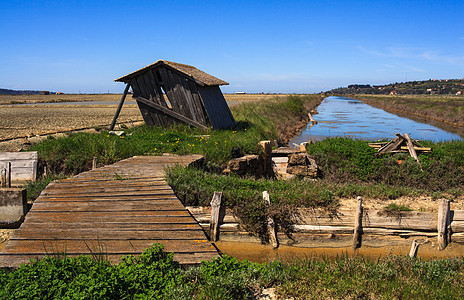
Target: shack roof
(201, 77)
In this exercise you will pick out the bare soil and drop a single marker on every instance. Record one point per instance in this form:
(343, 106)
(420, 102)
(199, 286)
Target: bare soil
(24, 124)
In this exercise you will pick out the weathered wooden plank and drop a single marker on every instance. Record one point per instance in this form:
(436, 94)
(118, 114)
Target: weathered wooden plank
(126, 218)
(108, 234)
(107, 205)
(183, 258)
(107, 246)
(143, 108)
(171, 113)
(218, 111)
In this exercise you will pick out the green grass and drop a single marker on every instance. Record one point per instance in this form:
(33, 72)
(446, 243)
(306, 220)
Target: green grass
(255, 121)
(154, 275)
(245, 196)
(347, 161)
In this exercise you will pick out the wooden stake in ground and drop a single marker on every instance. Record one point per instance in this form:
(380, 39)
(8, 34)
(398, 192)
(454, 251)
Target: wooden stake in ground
(270, 223)
(3, 171)
(443, 222)
(8, 175)
(267, 153)
(357, 234)
(414, 248)
(215, 211)
(94, 163)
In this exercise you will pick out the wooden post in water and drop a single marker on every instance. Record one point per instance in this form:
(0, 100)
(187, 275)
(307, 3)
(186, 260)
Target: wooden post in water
(94, 163)
(443, 222)
(270, 223)
(215, 211)
(414, 248)
(267, 153)
(357, 234)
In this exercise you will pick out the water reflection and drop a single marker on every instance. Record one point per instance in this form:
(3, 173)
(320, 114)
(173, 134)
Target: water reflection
(345, 117)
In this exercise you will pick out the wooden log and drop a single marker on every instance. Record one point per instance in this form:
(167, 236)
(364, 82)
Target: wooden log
(215, 211)
(414, 248)
(94, 163)
(412, 152)
(270, 224)
(443, 222)
(170, 113)
(392, 145)
(118, 110)
(357, 234)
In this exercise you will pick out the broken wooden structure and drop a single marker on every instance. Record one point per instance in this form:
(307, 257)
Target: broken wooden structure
(402, 143)
(168, 93)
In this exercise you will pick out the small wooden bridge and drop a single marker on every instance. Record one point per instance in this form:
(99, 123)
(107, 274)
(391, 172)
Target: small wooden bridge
(112, 211)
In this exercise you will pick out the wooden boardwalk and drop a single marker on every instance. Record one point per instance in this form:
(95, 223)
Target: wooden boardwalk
(117, 210)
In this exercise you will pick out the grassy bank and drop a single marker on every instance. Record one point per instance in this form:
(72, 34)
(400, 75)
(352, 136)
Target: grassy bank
(271, 119)
(444, 109)
(154, 275)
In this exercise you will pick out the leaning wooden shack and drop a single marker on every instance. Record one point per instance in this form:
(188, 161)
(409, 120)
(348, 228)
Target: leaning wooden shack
(168, 93)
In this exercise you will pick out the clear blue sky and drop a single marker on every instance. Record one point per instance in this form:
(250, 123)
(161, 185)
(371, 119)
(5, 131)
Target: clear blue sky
(256, 46)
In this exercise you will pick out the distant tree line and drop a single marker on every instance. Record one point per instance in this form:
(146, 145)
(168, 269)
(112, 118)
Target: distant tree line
(24, 92)
(431, 86)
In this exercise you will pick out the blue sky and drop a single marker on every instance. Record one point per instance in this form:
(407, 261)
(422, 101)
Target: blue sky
(256, 46)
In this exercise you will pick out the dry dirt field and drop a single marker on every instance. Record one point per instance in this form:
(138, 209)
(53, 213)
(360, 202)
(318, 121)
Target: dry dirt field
(48, 114)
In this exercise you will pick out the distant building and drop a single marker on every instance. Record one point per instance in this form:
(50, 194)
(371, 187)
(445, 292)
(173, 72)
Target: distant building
(394, 93)
(459, 93)
(45, 92)
(240, 93)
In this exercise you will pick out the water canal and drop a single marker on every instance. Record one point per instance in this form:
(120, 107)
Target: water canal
(346, 117)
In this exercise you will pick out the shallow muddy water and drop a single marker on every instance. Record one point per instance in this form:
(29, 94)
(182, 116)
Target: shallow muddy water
(345, 117)
(256, 252)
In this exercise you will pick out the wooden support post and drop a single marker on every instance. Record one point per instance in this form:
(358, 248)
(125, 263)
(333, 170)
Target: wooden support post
(270, 223)
(267, 156)
(8, 175)
(94, 163)
(45, 172)
(118, 111)
(215, 211)
(443, 222)
(3, 171)
(357, 234)
(414, 248)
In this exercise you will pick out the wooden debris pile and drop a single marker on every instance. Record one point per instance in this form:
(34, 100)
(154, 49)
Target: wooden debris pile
(402, 143)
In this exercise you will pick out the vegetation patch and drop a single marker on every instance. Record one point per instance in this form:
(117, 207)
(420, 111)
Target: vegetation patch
(347, 161)
(154, 275)
(245, 196)
(256, 121)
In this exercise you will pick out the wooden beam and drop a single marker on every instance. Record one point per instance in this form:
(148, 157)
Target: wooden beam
(118, 111)
(171, 113)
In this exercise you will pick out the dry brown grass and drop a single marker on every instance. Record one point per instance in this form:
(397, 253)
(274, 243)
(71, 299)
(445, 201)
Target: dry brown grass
(14, 99)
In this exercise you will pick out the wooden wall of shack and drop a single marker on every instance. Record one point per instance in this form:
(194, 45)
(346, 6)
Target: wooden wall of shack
(203, 105)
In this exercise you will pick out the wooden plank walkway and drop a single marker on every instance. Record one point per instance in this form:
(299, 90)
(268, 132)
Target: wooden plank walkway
(117, 210)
